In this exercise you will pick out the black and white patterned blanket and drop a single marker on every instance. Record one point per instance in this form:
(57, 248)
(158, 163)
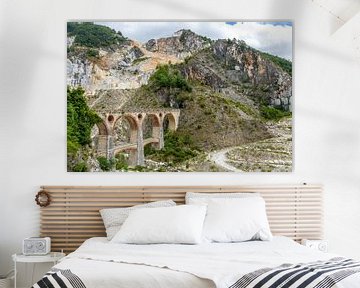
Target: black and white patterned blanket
(57, 278)
(320, 274)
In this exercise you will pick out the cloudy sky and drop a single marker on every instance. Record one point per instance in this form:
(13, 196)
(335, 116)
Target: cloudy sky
(271, 37)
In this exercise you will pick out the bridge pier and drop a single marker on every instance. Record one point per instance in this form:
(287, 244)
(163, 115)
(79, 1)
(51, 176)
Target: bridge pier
(132, 157)
(105, 143)
(158, 132)
(140, 148)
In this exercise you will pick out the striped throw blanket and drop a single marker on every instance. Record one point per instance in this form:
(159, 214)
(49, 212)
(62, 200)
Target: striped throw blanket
(57, 278)
(320, 274)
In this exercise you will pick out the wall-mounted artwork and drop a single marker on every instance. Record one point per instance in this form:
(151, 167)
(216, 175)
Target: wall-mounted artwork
(179, 96)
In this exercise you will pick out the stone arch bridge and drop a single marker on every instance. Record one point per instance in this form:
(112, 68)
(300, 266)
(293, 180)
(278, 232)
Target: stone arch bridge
(105, 143)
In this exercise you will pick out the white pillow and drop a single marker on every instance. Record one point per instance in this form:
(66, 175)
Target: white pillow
(180, 224)
(113, 218)
(236, 220)
(204, 198)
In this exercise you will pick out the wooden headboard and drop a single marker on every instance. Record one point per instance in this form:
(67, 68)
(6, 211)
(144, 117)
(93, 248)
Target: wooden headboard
(73, 215)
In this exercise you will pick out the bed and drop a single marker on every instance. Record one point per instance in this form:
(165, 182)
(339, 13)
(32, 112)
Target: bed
(295, 211)
(99, 263)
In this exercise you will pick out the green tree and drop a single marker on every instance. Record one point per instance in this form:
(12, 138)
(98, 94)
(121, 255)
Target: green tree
(166, 76)
(80, 120)
(92, 35)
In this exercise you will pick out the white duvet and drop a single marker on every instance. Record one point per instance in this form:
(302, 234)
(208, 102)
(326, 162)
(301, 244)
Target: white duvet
(100, 263)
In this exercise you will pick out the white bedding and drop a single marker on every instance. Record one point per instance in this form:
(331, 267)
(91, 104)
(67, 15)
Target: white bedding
(100, 263)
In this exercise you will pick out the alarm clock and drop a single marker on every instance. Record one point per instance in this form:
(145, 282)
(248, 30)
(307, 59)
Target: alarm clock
(320, 245)
(36, 246)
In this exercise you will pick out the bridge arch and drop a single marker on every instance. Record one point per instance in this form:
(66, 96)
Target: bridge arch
(135, 147)
(157, 131)
(155, 118)
(133, 124)
(172, 121)
(135, 120)
(103, 129)
(130, 118)
(104, 139)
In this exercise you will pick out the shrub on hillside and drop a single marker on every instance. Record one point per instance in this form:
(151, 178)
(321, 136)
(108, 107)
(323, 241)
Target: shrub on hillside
(284, 64)
(121, 162)
(105, 164)
(271, 113)
(92, 35)
(80, 167)
(178, 148)
(167, 76)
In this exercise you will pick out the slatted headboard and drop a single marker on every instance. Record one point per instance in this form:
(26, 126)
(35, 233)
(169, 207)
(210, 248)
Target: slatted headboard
(73, 215)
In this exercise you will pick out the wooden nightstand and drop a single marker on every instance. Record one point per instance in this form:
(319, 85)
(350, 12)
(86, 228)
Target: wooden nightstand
(53, 257)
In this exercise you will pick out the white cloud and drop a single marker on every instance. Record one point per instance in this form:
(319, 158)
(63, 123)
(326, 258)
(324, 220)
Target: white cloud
(274, 39)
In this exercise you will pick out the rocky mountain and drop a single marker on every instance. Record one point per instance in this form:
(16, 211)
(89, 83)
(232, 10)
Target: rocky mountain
(219, 64)
(182, 44)
(231, 63)
(231, 88)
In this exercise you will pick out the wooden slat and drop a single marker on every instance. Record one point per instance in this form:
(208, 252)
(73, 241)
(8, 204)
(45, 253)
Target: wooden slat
(73, 216)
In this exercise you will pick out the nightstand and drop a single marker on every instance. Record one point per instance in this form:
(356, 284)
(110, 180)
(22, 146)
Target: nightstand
(53, 257)
(320, 245)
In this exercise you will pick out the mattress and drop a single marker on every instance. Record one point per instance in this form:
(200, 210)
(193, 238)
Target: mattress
(99, 263)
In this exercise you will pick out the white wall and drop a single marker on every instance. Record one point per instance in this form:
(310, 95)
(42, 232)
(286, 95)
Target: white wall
(33, 123)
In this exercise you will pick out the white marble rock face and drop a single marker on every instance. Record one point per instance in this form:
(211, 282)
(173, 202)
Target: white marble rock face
(131, 65)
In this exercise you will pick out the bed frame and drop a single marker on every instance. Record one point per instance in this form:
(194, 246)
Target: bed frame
(73, 215)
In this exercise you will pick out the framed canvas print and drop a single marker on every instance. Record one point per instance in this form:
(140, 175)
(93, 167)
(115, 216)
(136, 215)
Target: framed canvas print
(179, 96)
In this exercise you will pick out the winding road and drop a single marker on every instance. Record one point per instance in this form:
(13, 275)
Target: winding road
(272, 154)
(219, 157)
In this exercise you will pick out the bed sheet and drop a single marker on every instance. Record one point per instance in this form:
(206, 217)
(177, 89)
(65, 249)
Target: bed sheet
(100, 263)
